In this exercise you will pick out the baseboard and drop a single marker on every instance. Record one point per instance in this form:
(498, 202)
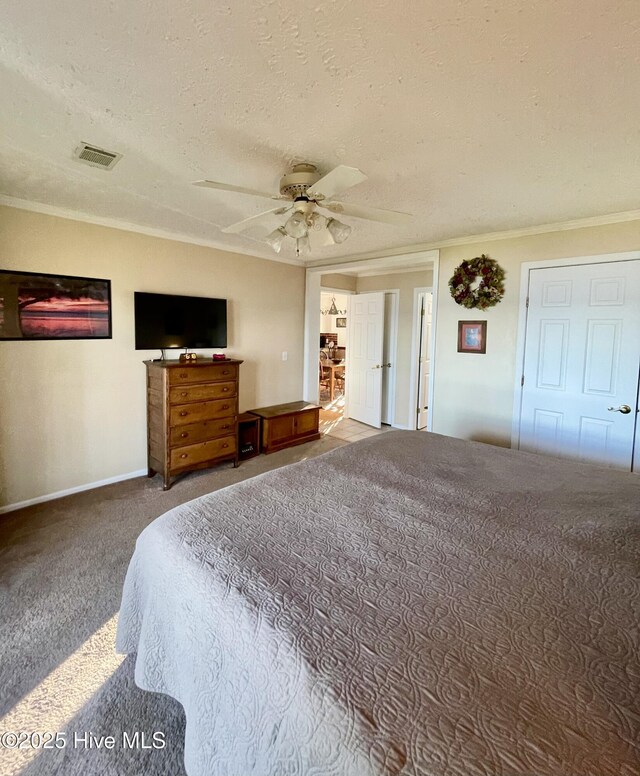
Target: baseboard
(401, 427)
(70, 491)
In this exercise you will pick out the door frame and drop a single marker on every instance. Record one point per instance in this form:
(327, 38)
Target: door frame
(380, 265)
(413, 377)
(392, 374)
(525, 269)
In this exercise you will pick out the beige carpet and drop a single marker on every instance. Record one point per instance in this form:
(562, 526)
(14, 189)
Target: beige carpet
(62, 565)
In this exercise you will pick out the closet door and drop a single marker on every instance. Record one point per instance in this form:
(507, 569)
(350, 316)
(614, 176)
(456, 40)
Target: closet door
(582, 358)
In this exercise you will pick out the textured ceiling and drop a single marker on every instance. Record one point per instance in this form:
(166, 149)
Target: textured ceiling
(474, 116)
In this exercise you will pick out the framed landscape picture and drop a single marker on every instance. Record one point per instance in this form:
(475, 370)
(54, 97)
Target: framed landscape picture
(341, 323)
(39, 306)
(472, 336)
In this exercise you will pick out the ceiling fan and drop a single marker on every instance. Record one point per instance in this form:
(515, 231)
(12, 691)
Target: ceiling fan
(309, 192)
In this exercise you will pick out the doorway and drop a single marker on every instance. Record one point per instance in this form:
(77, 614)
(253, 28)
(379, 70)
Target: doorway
(580, 360)
(368, 275)
(332, 345)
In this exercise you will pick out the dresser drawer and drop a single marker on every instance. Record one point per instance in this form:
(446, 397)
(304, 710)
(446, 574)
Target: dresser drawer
(202, 374)
(184, 414)
(185, 393)
(198, 432)
(204, 451)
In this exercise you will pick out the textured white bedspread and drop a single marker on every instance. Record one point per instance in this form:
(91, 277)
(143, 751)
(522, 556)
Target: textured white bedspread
(407, 604)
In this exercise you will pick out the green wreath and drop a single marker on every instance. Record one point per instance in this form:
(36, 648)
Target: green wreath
(490, 290)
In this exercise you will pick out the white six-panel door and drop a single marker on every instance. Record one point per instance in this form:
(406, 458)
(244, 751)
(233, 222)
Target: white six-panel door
(582, 356)
(364, 357)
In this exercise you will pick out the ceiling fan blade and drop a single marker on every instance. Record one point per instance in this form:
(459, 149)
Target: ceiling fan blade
(238, 189)
(335, 182)
(368, 213)
(240, 226)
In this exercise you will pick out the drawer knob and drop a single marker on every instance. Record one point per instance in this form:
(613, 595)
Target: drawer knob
(184, 435)
(183, 455)
(223, 427)
(225, 406)
(184, 393)
(225, 389)
(183, 414)
(184, 374)
(225, 372)
(226, 444)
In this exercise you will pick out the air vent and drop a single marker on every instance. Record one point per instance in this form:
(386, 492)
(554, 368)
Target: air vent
(97, 157)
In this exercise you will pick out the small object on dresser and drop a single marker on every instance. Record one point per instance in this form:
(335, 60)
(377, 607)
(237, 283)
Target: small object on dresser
(188, 357)
(219, 357)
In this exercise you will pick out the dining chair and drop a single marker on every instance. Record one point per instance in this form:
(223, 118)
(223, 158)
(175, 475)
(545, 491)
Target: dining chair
(324, 372)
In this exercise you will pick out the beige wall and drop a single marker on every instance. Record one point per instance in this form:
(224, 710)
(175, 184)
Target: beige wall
(73, 412)
(473, 396)
(345, 282)
(405, 283)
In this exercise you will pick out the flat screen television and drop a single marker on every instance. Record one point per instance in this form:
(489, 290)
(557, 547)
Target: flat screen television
(171, 321)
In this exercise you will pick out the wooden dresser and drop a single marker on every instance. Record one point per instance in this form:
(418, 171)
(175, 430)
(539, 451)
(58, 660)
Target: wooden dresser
(192, 411)
(285, 425)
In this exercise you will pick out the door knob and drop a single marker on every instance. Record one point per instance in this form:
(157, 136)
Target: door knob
(625, 409)
(377, 366)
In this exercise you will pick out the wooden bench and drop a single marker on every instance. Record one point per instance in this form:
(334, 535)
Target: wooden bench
(285, 425)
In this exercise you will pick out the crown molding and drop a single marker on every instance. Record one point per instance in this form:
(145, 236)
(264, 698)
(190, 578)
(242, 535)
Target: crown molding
(126, 226)
(557, 226)
(165, 234)
(507, 234)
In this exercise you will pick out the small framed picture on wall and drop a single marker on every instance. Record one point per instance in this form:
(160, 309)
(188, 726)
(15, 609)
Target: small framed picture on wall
(341, 323)
(472, 336)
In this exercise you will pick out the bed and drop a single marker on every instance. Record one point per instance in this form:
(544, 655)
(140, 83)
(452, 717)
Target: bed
(408, 604)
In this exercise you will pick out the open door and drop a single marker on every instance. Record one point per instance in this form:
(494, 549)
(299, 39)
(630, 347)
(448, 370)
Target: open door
(364, 357)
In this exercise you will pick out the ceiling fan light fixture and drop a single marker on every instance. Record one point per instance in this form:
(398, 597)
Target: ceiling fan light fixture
(338, 231)
(317, 222)
(296, 226)
(276, 238)
(303, 246)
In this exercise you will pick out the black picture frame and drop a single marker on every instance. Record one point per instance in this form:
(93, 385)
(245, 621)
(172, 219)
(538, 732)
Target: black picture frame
(472, 336)
(63, 307)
